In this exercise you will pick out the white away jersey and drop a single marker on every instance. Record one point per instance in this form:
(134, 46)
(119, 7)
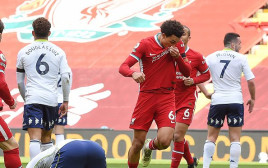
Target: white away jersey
(59, 85)
(226, 68)
(42, 61)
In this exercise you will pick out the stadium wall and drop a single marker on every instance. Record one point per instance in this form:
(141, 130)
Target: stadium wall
(117, 143)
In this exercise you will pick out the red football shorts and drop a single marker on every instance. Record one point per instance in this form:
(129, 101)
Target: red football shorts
(5, 133)
(185, 105)
(154, 106)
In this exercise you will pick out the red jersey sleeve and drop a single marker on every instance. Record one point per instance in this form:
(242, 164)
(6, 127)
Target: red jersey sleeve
(181, 48)
(204, 71)
(135, 56)
(4, 91)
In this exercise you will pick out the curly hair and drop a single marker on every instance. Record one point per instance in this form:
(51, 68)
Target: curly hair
(172, 27)
(41, 27)
(1, 26)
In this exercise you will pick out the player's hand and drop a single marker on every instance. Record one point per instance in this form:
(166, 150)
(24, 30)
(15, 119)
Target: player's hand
(63, 109)
(14, 105)
(139, 77)
(250, 104)
(188, 81)
(174, 52)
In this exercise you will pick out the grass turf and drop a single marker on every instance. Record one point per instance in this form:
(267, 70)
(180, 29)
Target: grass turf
(122, 163)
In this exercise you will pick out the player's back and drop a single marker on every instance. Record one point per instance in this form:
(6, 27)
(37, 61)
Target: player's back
(226, 68)
(41, 61)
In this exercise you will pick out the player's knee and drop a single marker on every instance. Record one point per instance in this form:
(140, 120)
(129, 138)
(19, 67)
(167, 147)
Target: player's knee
(164, 143)
(137, 145)
(178, 137)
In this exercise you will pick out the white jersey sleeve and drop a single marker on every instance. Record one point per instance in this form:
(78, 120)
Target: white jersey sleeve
(246, 70)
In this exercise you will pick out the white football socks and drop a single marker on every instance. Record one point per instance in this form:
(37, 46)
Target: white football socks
(59, 138)
(209, 149)
(45, 146)
(34, 148)
(235, 152)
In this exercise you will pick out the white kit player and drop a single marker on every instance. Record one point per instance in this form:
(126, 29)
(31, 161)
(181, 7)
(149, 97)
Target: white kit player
(60, 121)
(41, 61)
(226, 67)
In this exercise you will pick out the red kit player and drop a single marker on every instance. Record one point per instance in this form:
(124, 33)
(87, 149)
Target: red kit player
(158, 56)
(186, 96)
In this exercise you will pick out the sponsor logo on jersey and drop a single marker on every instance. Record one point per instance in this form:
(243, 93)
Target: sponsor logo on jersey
(91, 20)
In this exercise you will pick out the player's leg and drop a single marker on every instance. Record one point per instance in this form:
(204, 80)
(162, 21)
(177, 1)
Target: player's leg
(9, 146)
(181, 148)
(178, 150)
(46, 141)
(49, 117)
(235, 148)
(235, 118)
(215, 122)
(134, 151)
(141, 121)
(35, 138)
(164, 117)
(59, 126)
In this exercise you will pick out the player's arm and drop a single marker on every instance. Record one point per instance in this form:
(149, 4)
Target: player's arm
(204, 90)
(66, 85)
(5, 93)
(20, 81)
(178, 53)
(251, 89)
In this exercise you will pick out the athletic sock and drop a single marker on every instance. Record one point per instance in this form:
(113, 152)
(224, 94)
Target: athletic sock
(59, 138)
(177, 154)
(133, 165)
(151, 145)
(12, 158)
(235, 152)
(34, 148)
(187, 154)
(45, 146)
(209, 149)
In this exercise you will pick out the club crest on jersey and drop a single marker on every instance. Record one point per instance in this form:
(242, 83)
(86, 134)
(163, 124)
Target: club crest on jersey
(3, 58)
(91, 20)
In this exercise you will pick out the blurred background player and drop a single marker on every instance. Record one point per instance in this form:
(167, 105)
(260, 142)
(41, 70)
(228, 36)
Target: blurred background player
(41, 61)
(226, 67)
(71, 153)
(60, 122)
(8, 143)
(185, 98)
(158, 56)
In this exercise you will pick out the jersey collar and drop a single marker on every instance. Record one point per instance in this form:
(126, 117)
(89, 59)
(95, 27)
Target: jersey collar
(227, 49)
(187, 49)
(41, 40)
(157, 41)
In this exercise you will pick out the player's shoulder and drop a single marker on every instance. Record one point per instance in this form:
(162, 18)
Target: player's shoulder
(195, 53)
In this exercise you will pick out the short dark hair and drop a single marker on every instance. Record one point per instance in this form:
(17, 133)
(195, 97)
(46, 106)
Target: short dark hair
(230, 37)
(172, 27)
(188, 29)
(2, 26)
(41, 27)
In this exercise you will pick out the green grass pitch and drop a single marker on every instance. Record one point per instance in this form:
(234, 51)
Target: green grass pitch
(122, 163)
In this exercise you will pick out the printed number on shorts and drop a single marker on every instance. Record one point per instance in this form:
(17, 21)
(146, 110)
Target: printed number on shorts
(171, 116)
(42, 67)
(186, 114)
(226, 62)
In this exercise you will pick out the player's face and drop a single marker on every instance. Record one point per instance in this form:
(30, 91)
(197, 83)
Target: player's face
(185, 37)
(237, 45)
(169, 41)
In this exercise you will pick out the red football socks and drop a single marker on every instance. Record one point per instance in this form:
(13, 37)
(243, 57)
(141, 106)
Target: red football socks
(177, 154)
(187, 154)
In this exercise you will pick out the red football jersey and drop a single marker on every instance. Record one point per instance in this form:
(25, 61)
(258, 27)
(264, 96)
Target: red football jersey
(186, 93)
(156, 63)
(4, 91)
